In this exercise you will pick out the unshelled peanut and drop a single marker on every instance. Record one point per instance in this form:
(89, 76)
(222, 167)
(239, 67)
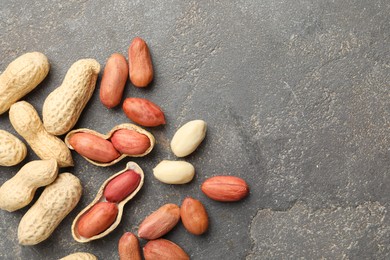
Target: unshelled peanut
(21, 76)
(62, 108)
(24, 118)
(55, 203)
(12, 150)
(79, 256)
(19, 191)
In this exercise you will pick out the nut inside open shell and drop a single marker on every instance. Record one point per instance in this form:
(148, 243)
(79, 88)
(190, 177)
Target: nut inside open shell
(108, 136)
(100, 198)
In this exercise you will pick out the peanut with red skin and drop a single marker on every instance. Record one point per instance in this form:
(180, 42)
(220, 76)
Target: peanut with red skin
(143, 112)
(130, 142)
(121, 186)
(194, 216)
(140, 63)
(225, 188)
(163, 249)
(97, 219)
(128, 247)
(93, 147)
(114, 80)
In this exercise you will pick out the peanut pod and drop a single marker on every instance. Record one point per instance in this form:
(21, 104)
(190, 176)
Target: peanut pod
(62, 107)
(19, 191)
(100, 198)
(114, 140)
(12, 150)
(25, 119)
(21, 76)
(79, 256)
(55, 203)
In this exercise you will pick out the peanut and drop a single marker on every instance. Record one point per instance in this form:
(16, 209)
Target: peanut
(12, 150)
(143, 112)
(21, 76)
(93, 147)
(174, 172)
(97, 219)
(129, 139)
(163, 249)
(194, 216)
(24, 118)
(121, 186)
(130, 142)
(19, 191)
(113, 80)
(100, 218)
(140, 63)
(128, 247)
(79, 256)
(225, 188)
(63, 107)
(55, 203)
(159, 222)
(188, 138)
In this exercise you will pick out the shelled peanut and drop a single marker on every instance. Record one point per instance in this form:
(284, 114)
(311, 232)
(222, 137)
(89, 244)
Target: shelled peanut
(159, 222)
(12, 150)
(19, 191)
(62, 108)
(164, 249)
(188, 137)
(105, 150)
(143, 112)
(25, 119)
(21, 76)
(225, 188)
(128, 247)
(114, 80)
(174, 172)
(140, 63)
(55, 203)
(104, 213)
(194, 216)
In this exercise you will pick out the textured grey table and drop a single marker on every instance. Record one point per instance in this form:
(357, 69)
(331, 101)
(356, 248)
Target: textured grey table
(297, 98)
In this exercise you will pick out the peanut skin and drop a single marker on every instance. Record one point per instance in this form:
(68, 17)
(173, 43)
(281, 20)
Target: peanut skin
(114, 80)
(55, 203)
(143, 112)
(130, 142)
(21, 76)
(140, 63)
(121, 186)
(25, 119)
(128, 247)
(97, 219)
(93, 147)
(12, 150)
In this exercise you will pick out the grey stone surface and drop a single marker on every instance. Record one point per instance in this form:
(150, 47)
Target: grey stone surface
(296, 95)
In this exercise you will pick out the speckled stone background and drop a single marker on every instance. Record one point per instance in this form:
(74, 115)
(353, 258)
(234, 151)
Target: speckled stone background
(297, 98)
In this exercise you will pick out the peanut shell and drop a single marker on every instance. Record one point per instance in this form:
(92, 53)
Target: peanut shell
(12, 150)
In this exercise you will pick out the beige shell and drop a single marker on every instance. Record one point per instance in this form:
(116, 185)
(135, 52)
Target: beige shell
(21, 76)
(107, 136)
(63, 107)
(25, 119)
(19, 191)
(12, 150)
(79, 256)
(55, 203)
(100, 197)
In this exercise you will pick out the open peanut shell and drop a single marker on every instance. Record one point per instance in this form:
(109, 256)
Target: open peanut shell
(100, 198)
(108, 136)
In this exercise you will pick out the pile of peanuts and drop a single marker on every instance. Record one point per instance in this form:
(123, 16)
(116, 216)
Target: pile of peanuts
(61, 110)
